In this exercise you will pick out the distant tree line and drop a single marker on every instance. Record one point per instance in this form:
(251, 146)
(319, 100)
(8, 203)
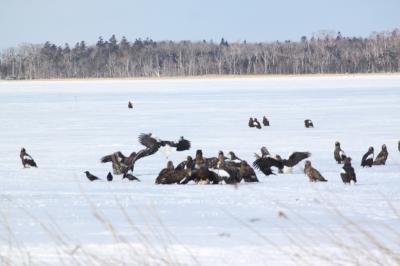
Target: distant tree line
(324, 53)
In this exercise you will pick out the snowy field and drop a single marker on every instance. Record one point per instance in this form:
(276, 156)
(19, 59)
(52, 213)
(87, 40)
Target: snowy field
(53, 215)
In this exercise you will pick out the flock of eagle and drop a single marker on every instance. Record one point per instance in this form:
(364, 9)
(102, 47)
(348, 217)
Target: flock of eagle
(253, 122)
(222, 169)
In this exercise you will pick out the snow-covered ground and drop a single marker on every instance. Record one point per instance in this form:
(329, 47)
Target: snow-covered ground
(53, 215)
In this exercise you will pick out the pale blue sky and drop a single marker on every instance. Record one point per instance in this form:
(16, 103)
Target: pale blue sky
(36, 21)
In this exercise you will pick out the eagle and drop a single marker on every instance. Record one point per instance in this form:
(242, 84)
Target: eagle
(313, 174)
(368, 158)
(382, 156)
(347, 174)
(308, 123)
(170, 175)
(122, 164)
(264, 164)
(338, 153)
(26, 159)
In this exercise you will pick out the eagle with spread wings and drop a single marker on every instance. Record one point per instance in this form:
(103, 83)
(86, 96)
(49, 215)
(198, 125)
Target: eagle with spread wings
(122, 164)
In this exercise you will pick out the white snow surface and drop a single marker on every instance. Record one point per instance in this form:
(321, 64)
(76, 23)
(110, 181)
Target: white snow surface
(53, 215)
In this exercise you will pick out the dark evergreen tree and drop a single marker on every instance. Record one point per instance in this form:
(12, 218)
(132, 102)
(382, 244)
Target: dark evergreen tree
(325, 52)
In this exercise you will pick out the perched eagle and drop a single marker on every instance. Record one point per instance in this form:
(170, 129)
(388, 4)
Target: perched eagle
(26, 159)
(313, 174)
(382, 156)
(368, 158)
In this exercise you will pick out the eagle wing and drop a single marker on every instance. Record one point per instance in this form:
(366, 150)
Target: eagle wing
(108, 158)
(295, 158)
(181, 145)
(140, 154)
(181, 166)
(148, 141)
(265, 164)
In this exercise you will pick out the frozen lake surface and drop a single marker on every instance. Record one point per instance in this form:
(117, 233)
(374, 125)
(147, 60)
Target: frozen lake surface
(53, 215)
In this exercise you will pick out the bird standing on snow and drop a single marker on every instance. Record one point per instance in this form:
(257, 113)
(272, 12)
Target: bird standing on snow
(313, 173)
(130, 105)
(109, 177)
(308, 123)
(187, 164)
(265, 121)
(220, 159)
(257, 123)
(251, 122)
(199, 171)
(247, 173)
(381, 157)
(91, 177)
(234, 159)
(199, 160)
(26, 159)
(169, 175)
(227, 172)
(165, 176)
(368, 158)
(348, 173)
(339, 154)
(202, 175)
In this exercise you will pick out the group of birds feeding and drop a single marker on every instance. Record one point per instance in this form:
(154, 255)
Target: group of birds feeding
(124, 165)
(202, 170)
(221, 169)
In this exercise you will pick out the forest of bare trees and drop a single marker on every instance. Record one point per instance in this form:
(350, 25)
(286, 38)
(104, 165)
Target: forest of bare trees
(324, 53)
